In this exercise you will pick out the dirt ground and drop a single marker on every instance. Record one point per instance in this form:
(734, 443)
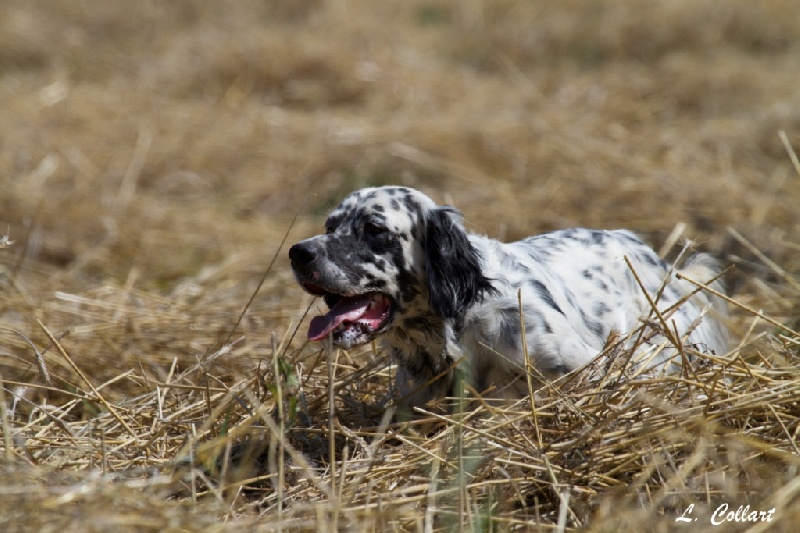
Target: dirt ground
(154, 156)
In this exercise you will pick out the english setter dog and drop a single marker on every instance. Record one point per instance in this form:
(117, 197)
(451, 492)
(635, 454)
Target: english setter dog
(393, 263)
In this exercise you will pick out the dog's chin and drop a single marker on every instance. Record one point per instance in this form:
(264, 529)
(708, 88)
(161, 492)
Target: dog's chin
(353, 319)
(354, 335)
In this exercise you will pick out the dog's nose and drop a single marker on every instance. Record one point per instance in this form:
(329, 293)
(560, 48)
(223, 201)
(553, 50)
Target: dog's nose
(302, 253)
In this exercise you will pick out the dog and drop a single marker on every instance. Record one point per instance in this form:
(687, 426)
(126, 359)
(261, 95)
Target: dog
(394, 264)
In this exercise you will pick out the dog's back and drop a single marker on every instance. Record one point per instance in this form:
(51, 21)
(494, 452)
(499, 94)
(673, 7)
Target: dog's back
(576, 289)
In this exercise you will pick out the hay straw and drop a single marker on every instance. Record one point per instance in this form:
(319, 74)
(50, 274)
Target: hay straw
(656, 444)
(151, 372)
(652, 444)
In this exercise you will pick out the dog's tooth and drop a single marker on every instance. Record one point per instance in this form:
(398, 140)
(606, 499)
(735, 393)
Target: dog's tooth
(376, 300)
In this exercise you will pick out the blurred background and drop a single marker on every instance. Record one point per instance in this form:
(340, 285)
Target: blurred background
(164, 147)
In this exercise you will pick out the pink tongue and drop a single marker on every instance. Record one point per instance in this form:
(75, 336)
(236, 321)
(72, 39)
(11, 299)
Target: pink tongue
(346, 309)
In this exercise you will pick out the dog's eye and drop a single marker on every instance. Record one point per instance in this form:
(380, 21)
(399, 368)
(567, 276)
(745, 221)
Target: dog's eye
(329, 230)
(374, 229)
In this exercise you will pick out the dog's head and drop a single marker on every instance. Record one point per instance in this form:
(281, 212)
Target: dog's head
(389, 258)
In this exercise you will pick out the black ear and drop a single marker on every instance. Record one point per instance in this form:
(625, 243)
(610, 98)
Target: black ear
(453, 265)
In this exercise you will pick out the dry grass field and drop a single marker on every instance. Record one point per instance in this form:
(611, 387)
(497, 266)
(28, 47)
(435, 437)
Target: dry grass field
(154, 156)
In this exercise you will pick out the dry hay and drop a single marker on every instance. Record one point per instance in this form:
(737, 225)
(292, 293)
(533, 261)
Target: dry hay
(206, 446)
(154, 155)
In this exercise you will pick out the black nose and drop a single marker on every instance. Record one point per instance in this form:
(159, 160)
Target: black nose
(302, 254)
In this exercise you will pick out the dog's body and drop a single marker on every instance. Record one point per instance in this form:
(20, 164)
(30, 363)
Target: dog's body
(394, 263)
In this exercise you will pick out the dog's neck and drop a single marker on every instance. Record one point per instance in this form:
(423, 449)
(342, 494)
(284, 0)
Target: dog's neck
(418, 333)
(425, 337)
(426, 355)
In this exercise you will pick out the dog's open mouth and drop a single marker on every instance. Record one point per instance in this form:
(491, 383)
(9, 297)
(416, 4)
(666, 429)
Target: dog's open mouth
(352, 320)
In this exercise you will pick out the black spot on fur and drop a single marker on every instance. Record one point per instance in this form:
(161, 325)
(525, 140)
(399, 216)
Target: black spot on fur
(650, 259)
(412, 207)
(571, 300)
(511, 263)
(376, 284)
(546, 295)
(333, 222)
(509, 326)
(600, 309)
(453, 266)
(595, 327)
(419, 323)
(560, 370)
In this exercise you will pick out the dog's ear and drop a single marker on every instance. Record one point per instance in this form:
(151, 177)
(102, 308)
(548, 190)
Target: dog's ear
(452, 265)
